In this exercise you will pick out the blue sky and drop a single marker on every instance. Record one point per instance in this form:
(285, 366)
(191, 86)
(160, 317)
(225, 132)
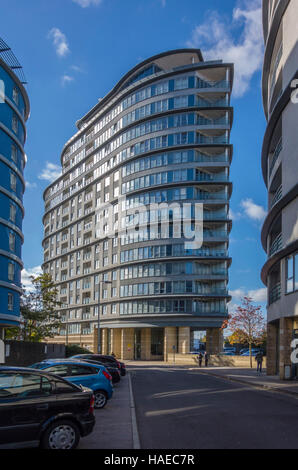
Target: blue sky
(74, 51)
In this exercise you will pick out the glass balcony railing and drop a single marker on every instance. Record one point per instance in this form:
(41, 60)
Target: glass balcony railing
(205, 195)
(221, 139)
(277, 196)
(212, 104)
(215, 233)
(219, 84)
(212, 177)
(276, 245)
(276, 153)
(212, 122)
(274, 293)
(200, 157)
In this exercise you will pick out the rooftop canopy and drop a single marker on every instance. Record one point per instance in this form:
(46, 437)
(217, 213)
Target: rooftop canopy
(10, 59)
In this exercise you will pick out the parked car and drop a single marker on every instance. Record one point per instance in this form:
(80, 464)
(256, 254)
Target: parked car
(40, 409)
(112, 369)
(103, 359)
(94, 376)
(254, 352)
(243, 350)
(230, 349)
(227, 353)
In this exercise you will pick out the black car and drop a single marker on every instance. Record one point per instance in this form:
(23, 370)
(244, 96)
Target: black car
(104, 359)
(39, 408)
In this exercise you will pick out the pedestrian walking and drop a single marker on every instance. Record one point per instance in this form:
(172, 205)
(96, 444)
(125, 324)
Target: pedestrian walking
(200, 358)
(206, 359)
(259, 359)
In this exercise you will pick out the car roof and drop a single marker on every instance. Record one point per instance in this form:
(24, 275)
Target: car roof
(68, 362)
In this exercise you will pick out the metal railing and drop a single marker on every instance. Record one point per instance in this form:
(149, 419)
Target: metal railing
(277, 196)
(276, 153)
(276, 245)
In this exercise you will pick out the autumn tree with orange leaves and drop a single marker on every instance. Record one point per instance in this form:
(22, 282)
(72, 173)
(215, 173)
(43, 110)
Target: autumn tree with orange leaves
(248, 322)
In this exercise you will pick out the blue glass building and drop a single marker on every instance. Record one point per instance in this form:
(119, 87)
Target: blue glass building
(14, 112)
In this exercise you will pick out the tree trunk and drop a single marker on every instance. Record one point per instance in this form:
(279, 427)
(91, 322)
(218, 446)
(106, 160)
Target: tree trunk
(250, 356)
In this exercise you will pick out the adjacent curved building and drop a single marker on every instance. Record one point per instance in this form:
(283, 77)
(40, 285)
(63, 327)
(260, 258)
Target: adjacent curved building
(162, 136)
(14, 111)
(280, 171)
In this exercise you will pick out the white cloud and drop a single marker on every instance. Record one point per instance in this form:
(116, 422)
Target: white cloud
(60, 42)
(258, 295)
(30, 185)
(50, 172)
(66, 79)
(87, 3)
(252, 210)
(215, 38)
(27, 273)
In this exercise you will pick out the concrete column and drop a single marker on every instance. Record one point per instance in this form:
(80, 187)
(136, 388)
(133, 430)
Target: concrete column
(95, 341)
(271, 349)
(170, 340)
(116, 349)
(146, 344)
(285, 338)
(104, 341)
(184, 340)
(127, 343)
(213, 340)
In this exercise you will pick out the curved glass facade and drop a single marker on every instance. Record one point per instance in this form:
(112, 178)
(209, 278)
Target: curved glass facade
(166, 141)
(14, 110)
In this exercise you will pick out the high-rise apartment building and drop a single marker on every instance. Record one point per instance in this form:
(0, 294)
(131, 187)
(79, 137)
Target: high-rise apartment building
(14, 111)
(161, 136)
(280, 172)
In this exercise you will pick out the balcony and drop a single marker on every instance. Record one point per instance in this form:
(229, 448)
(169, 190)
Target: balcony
(277, 196)
(276, 153)
(274, 293)
(203, 84)
(276, 245)
(212, 177)
(212, 140)
(200, 157)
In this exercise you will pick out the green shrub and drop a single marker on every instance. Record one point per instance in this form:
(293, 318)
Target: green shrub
(73, 349)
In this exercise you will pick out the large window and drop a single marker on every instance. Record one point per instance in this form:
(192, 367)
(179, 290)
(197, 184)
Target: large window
(292, 273)
(157, 341)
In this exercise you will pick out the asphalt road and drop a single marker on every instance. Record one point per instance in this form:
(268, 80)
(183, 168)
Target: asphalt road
(184, 409)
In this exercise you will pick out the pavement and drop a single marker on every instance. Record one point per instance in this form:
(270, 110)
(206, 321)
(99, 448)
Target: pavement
(114, 427)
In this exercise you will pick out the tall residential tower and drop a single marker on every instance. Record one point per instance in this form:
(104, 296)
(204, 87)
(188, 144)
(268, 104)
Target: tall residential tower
(14, 111)
(280, 172)
(161, 136)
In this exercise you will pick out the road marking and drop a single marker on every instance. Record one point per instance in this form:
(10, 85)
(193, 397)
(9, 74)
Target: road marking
(135, 432)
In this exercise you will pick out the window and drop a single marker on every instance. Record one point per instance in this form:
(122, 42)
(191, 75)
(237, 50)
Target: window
(10, 302)
(12, 212)
(15, 95)
(15, 124)
(61, 370)
(13, 181)
(181, 83)
(82, 370)
(21, 385)
(292, 273)
(11, 271)
(12, 242)
(14, 154)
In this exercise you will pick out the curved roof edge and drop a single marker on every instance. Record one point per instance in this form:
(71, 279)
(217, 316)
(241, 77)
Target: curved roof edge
(8, 69)
(133, 71)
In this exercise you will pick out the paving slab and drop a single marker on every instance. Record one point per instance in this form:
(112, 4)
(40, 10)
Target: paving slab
(113, 428)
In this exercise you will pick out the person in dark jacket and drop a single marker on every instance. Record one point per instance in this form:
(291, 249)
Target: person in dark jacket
(200, 358)
(206, 359)
(259, 359)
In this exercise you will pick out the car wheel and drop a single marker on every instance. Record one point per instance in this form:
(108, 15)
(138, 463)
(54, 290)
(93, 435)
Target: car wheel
(61, 435)
(100, 399)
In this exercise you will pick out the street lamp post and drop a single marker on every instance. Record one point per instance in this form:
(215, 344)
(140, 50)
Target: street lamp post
(98, 316)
